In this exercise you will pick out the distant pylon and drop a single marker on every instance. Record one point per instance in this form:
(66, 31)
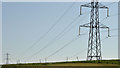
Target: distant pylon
(18, 61)
(45, 60)
(66, 59)
(77, 58)
(40, 60)
(94, 43)
(7, 58)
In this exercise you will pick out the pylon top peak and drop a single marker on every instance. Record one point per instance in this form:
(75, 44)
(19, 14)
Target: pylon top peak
(94, 0)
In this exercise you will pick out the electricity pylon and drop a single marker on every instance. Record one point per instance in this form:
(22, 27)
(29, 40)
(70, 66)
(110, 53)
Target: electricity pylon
(40, 60)
(67, 59)
(77, 58)
(94, 43)
(18, 61)
(7, 58)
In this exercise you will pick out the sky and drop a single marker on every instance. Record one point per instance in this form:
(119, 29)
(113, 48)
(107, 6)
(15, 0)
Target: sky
(24, 23)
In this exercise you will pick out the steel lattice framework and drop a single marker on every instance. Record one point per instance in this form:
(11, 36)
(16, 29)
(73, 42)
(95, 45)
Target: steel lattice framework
(94, 43)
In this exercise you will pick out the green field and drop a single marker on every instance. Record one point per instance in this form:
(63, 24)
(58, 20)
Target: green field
(84, 64)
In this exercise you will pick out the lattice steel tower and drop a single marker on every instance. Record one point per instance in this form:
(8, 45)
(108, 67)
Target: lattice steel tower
(94, 43)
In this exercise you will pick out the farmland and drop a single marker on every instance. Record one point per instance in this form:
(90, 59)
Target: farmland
(81, 64)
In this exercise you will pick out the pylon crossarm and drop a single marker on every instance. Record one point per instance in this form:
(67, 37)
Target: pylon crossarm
(107, 10)
(108, 30)
(106, 27)
(85, 5)
(104, 7)
(85, 25)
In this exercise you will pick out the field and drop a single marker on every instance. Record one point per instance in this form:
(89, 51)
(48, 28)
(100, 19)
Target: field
(73, 64)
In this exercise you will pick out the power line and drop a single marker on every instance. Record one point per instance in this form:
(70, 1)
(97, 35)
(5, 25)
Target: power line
(111, 30)
(51, 42)
(85, 33)
(78, 53)
(73, 26)
(115, 14)
(104, 38)
(111, 3)
(60, 34)
(74, 39)
(56, 38)
(45, 34)
(101, 40)
(64, 31)
(110, 15)
(86, 49)
(108, 37)
(114, 35)
(62, 47)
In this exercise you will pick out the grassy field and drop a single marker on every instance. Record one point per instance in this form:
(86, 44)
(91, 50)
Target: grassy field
(84, 64)
(78, 63)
